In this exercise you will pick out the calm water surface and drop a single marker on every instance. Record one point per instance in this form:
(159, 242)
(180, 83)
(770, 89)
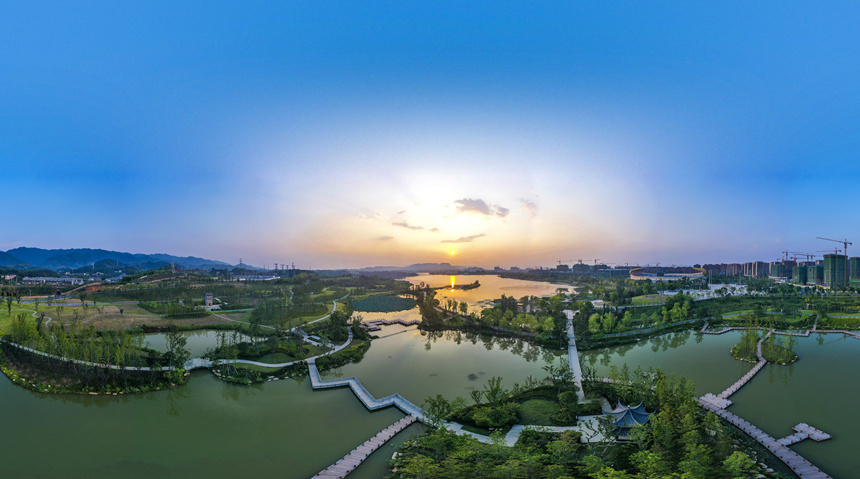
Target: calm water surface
(417, 365)
(704, 359)
(198, 341)
(213, 429)
(820, 389)
(206, 428)
(492, 287)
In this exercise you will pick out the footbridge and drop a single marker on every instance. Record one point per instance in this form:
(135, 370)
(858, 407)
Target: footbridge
(357, 456)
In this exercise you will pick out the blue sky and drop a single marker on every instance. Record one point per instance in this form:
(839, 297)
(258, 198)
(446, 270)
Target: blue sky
(358, 133)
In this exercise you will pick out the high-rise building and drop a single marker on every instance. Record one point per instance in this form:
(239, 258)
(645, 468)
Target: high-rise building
(815, 274)
(854, 268)
(834, 270)
(788, 268)
(776, 269)
(760, 269)
(800, 274)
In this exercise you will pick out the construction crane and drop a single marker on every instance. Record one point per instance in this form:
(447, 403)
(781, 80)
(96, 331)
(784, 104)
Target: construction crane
(564, 261)
(835, 250)
(798, 254)
(845, 244)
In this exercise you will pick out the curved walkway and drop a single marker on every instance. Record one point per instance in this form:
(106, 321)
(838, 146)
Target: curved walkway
(194, 363)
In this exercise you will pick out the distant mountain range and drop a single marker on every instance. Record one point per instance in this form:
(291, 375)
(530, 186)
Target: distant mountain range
(421, 268)
(78, 258)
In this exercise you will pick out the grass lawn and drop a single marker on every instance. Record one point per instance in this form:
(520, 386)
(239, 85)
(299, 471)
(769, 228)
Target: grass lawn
(833, 322)
(254, 367)
(6, 319)
(648, 299)
(276, 358)
(537, 412)
(482, 431)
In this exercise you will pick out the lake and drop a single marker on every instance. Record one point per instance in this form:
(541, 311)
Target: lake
(818, 389)
(284, 428)
(492, 287)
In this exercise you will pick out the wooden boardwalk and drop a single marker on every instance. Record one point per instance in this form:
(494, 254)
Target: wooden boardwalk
(354, 459)
(746, 377)
(802, 467)
(396, 400)
(804, 431)
(370, 402)
(778, 447)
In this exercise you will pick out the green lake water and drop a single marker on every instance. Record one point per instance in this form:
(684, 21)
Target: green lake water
(199, 341)
(417, 365)
(704, 359)
(820, 390)
(209, 428)
(206, 428)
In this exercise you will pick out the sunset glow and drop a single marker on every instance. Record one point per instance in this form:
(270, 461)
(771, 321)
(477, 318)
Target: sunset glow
(342, 137)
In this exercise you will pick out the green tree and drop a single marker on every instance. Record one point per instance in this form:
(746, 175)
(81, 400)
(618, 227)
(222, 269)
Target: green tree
(177, 348)
(739, 465)
(594, 323)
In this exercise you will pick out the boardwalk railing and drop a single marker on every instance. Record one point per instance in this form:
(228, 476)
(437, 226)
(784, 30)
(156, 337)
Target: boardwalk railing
(355, 457)
(363, 395)
(800, 465)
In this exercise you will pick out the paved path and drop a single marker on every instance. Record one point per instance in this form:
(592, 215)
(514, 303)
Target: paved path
(207, 363)
(354, 459)
(78, 361)
(573, 359)
(194, 363)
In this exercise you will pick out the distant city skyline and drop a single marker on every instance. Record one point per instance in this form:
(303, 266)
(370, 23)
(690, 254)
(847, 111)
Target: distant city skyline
(344, 135)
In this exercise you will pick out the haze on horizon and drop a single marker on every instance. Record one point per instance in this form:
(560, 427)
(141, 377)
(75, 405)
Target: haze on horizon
(343, 135)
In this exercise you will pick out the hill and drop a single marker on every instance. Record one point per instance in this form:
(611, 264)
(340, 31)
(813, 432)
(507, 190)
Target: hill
(77, 258)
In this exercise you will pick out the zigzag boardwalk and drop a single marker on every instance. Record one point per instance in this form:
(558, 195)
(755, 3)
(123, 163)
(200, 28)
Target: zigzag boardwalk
(802, 467)
(717, 404)
(746, 377)
(354, 459)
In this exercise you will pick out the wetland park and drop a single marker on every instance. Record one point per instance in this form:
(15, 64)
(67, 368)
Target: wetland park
(141, 378)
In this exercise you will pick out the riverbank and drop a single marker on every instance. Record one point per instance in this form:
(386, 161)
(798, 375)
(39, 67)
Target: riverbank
(38, 381)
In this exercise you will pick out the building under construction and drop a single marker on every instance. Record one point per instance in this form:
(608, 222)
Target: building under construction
(854, 272)
(799, 276)
(834, 270)
(815, 275)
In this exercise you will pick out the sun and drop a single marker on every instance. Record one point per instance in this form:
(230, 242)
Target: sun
(452, 252)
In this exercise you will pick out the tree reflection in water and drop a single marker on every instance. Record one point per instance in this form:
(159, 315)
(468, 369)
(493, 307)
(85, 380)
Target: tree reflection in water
(175, 396)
